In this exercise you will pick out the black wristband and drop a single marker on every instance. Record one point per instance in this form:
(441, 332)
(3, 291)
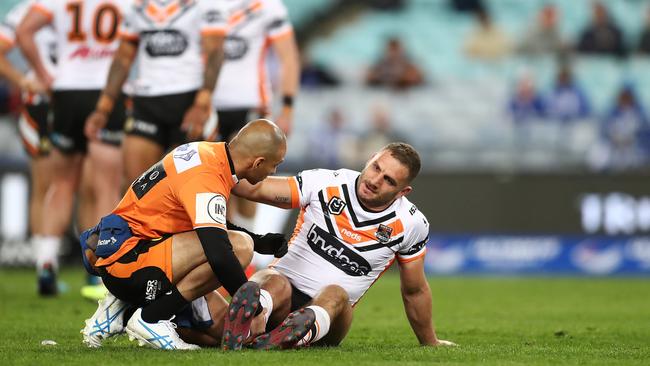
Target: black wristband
(287, 101)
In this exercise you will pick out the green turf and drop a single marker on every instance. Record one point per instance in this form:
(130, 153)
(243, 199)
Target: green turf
(495, 321)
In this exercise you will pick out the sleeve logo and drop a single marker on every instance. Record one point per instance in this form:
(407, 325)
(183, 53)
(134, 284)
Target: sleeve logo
(210, 208)
(186, 157)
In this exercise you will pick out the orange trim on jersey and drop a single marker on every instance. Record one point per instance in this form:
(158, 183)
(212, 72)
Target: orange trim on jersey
(344, 223)
(214, 32)
(238, 16)
(299, 222)
(43, 10)
(261, 69)
(407, 260)
(295, 194)
(284, 34)
(6, 40)
(161, 14)
(373, 282)
(128, 36)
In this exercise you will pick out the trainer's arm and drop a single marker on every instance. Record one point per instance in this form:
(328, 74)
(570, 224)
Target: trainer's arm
(222, 259)
(416, 295)
(275, 191)
(32, 22)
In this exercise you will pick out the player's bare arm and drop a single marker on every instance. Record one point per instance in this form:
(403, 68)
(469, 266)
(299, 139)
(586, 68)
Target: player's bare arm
(33, 21)
(117, 75)
(274, 191)
(197, 115)
(8, 71)
(416, 295)
(287, 51)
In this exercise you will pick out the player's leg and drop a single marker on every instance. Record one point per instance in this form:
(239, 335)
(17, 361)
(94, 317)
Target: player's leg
(279, 289)
(139, 154)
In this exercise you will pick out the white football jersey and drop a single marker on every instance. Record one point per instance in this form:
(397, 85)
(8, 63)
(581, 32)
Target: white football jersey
(86, 39)
(338, 241)
(169, 32)
(253, 25)
(44, 38)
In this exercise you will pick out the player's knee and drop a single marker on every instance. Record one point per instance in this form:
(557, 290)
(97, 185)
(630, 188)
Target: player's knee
(274, 282)
(242, 245)
(337, 293)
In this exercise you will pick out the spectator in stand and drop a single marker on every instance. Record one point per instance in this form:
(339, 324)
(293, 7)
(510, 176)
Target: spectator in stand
(487, 42)
(602, 36)
(567, 101)
(380, 134)
(526, 104)
(332, 143)
(543, 37)
(394, 69)
(313, 75)
(644, 41)
(623, 129)
(467, 6)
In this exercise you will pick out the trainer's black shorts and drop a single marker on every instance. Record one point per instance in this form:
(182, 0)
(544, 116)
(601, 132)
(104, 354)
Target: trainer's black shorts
(159, 118)
(142, 274)
(34, 126)
(230, 122)
(71, 109)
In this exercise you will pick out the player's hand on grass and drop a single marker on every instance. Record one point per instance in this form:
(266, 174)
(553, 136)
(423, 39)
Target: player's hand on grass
(271, 243)
(95, 123)
(194, 120)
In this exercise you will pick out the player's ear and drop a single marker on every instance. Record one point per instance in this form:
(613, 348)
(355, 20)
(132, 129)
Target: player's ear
(406, 190)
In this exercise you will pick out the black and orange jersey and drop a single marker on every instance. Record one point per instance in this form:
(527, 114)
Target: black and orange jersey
(338, 241)
(186, 190)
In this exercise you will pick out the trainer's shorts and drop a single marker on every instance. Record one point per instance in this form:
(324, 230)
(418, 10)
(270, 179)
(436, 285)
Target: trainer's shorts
(71, 109)
(159, 118)
(230, 122)
(142, 274)
(34, 126)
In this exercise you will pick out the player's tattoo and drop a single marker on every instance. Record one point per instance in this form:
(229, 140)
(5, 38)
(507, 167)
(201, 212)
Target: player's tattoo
(119, 70)
(214, 59)
(282, 199)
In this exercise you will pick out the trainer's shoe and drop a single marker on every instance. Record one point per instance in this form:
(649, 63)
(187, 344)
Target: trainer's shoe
(47, 285)
(161, 335)
(241, 311)
(289, 333)
(106, 322)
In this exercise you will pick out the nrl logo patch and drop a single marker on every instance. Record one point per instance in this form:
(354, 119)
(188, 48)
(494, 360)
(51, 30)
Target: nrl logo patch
(187, 156)
(335, 206)
(383, 233)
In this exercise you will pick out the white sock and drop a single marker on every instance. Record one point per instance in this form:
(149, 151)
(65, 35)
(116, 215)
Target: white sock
(266, 301)
(321, 326)
(47, 250)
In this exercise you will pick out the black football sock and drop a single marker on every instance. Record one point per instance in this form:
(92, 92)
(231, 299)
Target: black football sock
(164, 307)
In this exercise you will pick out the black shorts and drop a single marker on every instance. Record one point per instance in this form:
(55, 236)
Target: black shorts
(142, 274)
(230, 122)
(71, 109)
(34, 127)
(159, 118)
(299, 299)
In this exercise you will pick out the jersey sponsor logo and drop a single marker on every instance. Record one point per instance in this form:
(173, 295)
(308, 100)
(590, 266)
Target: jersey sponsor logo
(235, 48)
(351, 235)
(336, 205)
(148, 180)
(210, 208)
(214, 16)
(337, 253)
(85, 52)
(152, 289)
(412, 210)
(164, 43)
(383, 233)
(186, 157)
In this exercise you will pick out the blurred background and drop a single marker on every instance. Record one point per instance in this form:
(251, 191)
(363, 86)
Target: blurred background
(529, 115)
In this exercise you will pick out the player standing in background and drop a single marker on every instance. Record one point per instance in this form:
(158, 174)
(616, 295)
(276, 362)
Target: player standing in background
(244, 86)
(34, 127)
(86, 38)
(173, 89)
(351, 228)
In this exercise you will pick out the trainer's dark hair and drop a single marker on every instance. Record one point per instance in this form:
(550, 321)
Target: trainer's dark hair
(405, 154)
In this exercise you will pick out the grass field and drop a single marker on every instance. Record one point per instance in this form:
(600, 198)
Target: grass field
(494, 320)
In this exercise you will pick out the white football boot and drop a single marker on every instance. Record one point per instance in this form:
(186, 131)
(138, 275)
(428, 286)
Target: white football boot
(161, 335)
(106, 322)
